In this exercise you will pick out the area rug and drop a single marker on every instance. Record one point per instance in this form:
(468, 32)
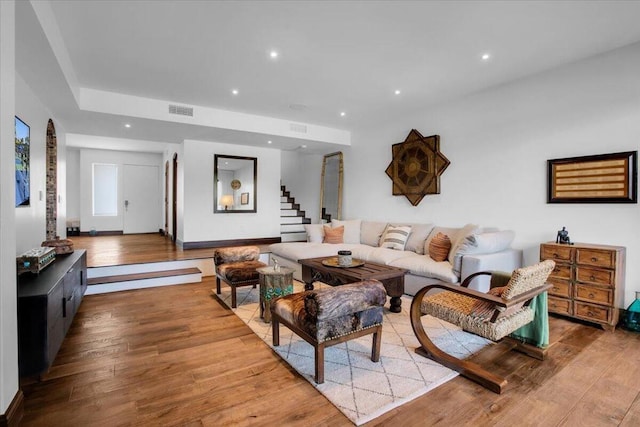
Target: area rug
(358, 387)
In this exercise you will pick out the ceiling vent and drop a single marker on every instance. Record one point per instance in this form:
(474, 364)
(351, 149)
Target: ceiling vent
(295, 127)
(181, 110)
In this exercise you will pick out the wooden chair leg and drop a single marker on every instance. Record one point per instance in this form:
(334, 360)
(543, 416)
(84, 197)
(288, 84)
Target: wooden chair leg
(467, 369)
(275, 328)
(375, 347)
(217, 285)
(319, 348)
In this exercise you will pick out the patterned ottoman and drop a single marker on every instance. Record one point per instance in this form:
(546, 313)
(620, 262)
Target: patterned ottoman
(237, 267)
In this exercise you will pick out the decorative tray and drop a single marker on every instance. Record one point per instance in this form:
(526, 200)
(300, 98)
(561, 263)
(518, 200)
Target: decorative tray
(333, 262)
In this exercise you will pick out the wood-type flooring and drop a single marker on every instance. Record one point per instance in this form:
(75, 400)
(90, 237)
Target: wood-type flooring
(175, 355)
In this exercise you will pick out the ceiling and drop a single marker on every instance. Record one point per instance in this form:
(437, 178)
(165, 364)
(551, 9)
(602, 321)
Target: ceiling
(333, 57)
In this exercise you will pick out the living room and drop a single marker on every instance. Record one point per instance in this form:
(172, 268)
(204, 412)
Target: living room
(498, 135)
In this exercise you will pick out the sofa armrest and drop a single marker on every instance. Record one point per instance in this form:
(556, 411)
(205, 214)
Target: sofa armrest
(507, 260)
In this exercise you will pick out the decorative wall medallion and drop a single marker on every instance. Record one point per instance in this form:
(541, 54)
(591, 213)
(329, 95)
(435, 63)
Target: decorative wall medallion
(235, 184)
(416, 166)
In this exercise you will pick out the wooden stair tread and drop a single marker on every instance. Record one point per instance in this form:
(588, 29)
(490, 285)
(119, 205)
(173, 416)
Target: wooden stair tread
(142, 276)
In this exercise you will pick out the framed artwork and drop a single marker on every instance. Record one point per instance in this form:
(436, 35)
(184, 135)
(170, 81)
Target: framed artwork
(244, 198)
(23, 142)
(416, 166)
(603, 178)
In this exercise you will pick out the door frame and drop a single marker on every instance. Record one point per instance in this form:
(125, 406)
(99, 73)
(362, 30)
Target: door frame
(174, 199)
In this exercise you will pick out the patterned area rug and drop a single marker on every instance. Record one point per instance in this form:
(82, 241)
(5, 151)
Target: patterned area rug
(360, 388)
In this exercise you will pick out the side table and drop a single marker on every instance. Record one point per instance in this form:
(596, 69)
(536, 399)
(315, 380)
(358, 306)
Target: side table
(273, 284)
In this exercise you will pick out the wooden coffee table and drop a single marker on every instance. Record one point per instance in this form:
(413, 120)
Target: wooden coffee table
(313, 270)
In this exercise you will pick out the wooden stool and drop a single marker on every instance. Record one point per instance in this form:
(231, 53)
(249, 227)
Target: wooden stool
(273, 283)
(330, 316)
(237, 267)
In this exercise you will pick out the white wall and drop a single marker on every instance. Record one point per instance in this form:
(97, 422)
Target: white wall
(73, 183)
(31, 220)
(301, 175)
(8, 306)
(120, 158)
(200, 223)
(498, 143)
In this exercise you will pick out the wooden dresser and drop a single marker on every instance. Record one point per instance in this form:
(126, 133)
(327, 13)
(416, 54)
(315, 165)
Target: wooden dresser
(588, 281)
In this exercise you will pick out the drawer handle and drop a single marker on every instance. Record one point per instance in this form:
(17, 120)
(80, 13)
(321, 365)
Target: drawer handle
(590, 314)
(592, 277)
(594, 259)
(556, 289)
(592, 296)
(555, 255)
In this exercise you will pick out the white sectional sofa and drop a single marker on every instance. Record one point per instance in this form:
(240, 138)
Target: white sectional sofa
(473, 249)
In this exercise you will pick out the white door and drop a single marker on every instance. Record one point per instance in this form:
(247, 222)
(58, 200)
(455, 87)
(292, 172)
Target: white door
(142, 199)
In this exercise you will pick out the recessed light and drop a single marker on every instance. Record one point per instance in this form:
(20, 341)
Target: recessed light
(127, 125)
(486, 57)
(269, 142)
(273, 54)
(342, 114)
(234, 91)
(397, 92)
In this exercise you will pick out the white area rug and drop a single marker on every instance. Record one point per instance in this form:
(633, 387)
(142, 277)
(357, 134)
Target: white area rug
(360, 388)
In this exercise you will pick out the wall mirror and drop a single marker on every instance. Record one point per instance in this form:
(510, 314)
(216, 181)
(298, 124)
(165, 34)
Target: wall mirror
(331, 187)
(235, 184)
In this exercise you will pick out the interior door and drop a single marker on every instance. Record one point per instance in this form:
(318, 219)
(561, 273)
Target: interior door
(142, 199)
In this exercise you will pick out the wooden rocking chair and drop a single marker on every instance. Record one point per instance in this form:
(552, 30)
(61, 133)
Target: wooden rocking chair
(493, 315)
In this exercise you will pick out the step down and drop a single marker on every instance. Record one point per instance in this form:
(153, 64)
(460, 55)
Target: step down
(142, 276)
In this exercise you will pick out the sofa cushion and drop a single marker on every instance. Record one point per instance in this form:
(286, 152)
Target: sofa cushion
(419, 234)
(315, 233)
(482, 243)
(351, 230)
(371, 232)
(383, 256)
(423, 265)
(301, 250)
(395, 237)
(333, 234)
(457, 240)
(439, 247)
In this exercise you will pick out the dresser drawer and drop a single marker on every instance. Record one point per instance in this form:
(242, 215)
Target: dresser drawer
(556, 252)
(561, 287)
(596, 258)
(594, 294)
(591, 312)
(559, 305)
(562, 271)
(595, 275)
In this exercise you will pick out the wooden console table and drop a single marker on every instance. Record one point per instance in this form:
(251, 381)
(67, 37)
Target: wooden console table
(313, 270)
(47, 303)
(588, 281)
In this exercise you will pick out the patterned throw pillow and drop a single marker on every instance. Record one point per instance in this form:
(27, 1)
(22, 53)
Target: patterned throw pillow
(439, 247)
(333, 234)
(395, 237)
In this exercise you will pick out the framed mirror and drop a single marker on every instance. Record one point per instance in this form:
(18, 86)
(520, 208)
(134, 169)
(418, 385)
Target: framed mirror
(235, 184)
(331, 187)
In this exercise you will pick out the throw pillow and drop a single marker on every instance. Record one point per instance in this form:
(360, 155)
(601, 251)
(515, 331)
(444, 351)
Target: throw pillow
(419, 233)
(439, 247)
(371, 232)
(482, 243)
(315, 233)
(457, 240)
(395, 237)
(333, 234)
(351, 230)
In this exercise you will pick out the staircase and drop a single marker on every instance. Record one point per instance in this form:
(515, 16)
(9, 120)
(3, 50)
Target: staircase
(291, 218)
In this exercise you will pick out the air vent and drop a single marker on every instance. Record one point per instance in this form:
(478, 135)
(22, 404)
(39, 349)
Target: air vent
(181, 110)
(295, 127)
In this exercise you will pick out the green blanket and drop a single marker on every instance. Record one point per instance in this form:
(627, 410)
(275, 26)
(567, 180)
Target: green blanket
(537, 332)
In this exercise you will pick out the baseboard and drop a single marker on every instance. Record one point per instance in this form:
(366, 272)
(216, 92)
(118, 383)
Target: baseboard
(14, 413)
(102, 233)
(226, 243)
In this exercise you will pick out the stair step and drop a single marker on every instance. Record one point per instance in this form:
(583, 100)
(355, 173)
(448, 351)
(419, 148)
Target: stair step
(294, 237)
(286, 205)
(142, 276)
(291, 228)
(292, 220)
(288, 212)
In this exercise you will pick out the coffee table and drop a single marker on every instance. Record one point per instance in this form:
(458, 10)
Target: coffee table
(313, 270)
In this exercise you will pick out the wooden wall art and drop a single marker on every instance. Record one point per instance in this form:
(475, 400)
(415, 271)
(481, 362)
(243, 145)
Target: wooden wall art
(604, 178)
(416, 166)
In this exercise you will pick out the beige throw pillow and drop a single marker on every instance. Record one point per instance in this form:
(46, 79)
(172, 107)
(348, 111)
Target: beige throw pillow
(395, 237)
(333, 234)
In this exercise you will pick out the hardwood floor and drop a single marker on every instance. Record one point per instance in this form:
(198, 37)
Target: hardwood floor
(175, 355)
